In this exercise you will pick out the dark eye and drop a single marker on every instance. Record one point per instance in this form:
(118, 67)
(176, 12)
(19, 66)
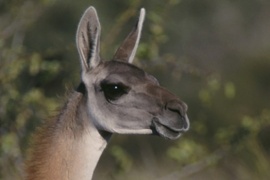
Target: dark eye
(113, 91)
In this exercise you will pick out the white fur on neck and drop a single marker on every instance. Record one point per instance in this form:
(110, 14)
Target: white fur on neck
(85, 154)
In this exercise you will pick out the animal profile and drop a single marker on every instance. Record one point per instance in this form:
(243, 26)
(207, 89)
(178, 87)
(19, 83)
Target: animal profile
(113, 97)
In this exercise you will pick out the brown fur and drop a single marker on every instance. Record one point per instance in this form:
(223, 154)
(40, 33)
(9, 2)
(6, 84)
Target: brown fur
(70, 145)
(49, 139)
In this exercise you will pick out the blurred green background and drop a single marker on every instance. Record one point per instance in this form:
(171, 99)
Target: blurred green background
(215, 55)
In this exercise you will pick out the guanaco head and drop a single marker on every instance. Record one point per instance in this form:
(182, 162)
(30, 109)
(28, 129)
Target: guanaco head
(122, 98)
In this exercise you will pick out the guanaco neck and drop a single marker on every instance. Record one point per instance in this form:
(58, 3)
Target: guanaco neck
(69, 146)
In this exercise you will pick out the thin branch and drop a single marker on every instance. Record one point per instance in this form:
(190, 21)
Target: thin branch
(28, 13)
(121, 20)
(196, 167)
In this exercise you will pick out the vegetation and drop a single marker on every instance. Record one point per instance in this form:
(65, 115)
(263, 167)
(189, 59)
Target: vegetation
(214, 55)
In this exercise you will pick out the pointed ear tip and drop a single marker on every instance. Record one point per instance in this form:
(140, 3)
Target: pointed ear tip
(91, 10)
(91, 13)
(142, 11)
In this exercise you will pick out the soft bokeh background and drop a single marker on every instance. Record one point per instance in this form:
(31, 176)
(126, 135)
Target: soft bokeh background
(215, 55)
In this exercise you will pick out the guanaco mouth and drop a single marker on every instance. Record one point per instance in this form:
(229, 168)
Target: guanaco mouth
(164, 130)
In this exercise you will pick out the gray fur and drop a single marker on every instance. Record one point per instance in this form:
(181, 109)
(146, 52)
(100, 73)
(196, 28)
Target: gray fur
(69, 147)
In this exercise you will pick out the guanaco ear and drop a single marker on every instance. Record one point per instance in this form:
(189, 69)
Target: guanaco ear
(88, 39)
(128, 48)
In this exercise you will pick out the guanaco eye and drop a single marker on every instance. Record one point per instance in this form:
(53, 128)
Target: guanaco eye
(113, 91)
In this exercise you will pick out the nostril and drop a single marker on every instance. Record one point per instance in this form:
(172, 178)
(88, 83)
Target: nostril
(177, 107)
(175, 110)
